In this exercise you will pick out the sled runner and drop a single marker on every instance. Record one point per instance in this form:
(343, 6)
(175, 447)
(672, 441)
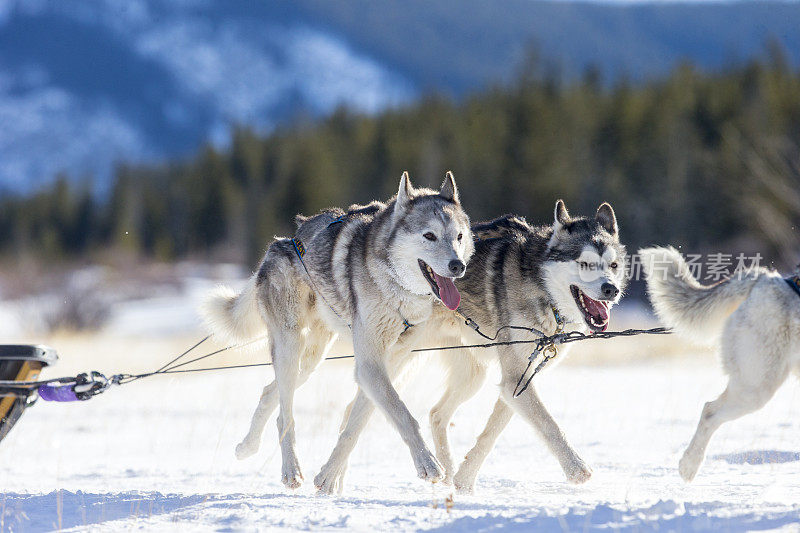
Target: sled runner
(21, 364)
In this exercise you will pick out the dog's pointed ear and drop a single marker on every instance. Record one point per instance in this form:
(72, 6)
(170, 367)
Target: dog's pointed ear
(561, 215)
(449, 190)
(404, 193)
(606, 218)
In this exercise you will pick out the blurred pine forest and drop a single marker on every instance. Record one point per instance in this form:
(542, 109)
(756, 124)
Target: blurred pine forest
(703, 160)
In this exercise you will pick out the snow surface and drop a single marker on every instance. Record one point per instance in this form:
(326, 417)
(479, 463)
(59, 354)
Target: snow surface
(158, 454)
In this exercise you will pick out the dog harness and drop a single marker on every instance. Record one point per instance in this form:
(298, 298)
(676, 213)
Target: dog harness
(300, 250)
(559, 319)
(794, 283)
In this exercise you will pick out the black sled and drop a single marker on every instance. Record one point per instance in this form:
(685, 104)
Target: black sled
(20, 364)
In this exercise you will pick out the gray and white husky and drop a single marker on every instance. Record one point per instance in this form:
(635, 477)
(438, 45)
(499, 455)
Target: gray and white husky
(755, 319)
(566, 275)
(372, 273)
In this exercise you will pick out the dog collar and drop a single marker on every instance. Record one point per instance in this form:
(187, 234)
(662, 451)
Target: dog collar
(794, 283)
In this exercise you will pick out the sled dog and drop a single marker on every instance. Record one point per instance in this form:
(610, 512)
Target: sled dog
(754, 317)
(373, 273)
(567, 275)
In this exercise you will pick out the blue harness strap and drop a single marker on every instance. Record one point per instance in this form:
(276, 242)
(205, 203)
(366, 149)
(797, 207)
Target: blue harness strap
(299, 249)
(338, 220)
(794, 283)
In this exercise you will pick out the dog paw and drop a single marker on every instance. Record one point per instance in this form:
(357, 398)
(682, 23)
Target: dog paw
(428, 468)
(246, 449)
(330, 479)
(291, 476)
(464, 484)
(688, 466)
(578, 472)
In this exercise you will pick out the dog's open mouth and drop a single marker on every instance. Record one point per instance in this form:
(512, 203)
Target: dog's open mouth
(595, 312)
(442, 287)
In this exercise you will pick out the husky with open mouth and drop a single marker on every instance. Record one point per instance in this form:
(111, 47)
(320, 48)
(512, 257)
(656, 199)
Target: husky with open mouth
(372, 273)
(566, 276)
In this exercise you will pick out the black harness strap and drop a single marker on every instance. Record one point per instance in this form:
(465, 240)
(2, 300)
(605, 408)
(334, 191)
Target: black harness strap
(300, 250)
(794, 283)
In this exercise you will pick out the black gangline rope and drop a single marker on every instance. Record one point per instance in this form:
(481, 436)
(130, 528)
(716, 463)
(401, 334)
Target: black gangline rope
(175, 366)
(542, 342)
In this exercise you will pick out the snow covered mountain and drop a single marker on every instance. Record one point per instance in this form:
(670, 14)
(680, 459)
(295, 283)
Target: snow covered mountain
(86, 84)
(90, 83)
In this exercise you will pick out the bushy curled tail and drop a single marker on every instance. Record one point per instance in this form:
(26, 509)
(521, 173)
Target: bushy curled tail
(681, 302)
(234, 317)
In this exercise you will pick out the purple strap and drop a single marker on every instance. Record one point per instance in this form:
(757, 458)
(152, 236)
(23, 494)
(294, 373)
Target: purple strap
(52, 392)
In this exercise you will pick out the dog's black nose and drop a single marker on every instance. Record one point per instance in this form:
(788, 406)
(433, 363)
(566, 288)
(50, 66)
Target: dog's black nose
(609, 291)
(457, 267)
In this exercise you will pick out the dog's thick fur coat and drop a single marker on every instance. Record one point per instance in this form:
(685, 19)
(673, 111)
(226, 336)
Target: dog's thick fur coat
(755, 319)
(368, 272)
(517, 275)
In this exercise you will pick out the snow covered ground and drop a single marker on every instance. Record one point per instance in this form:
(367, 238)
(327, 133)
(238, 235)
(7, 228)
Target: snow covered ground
(158, 454)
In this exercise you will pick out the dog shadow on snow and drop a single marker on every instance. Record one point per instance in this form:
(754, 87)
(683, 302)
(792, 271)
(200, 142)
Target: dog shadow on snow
(63, 509)
(758, 457)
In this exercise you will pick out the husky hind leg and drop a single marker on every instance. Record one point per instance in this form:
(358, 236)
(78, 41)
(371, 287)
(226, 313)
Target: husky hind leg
(287, 308)
(266, 405)
(315, 350)
(730, 405)
(286, 361)
(289, 374)
(756, 367)
(463, 382)
(330, 479)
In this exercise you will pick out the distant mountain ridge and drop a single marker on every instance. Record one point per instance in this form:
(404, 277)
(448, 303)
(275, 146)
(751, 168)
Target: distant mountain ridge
(84, 85)
(462, 44)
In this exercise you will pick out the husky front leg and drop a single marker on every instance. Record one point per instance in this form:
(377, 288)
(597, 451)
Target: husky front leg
(464, 480)
(331, 476)
(372, 377)
(531, 408)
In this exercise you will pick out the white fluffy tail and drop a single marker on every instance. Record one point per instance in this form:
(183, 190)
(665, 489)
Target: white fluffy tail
(234, 317)
(681, 302)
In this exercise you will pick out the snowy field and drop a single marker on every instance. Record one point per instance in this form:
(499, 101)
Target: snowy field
(158, 454)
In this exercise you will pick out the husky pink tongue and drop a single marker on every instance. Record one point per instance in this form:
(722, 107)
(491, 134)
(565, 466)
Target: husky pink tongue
(598, 310)
(447, 292)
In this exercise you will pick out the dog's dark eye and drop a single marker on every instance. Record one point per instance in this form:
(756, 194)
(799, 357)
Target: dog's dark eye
(614, 265)
(460, 236)
(430, 236)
